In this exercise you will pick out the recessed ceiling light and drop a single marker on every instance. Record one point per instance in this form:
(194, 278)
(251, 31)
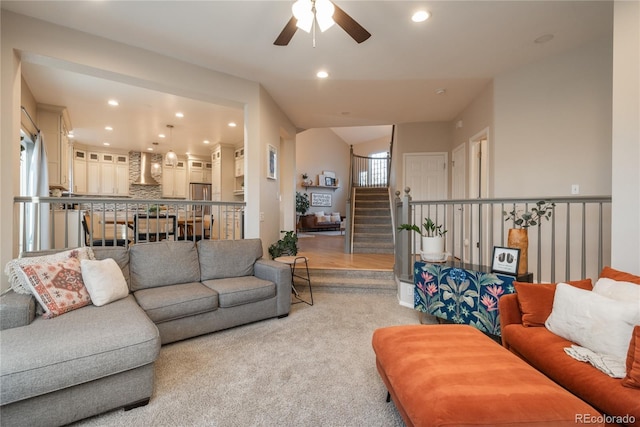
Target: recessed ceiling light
(149, 149)
(113, 103)
(232, 124)
(441, 91)
(70, 135)
(544, 38)
(106, 144)
(162, 135)
(420, 16)
(108, 128)
(206, 141)
(322, 74)
(179, 114)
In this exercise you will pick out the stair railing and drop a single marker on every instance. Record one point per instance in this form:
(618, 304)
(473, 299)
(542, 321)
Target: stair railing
(573, 244)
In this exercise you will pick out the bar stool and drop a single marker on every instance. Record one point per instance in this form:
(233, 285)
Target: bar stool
(292, 261)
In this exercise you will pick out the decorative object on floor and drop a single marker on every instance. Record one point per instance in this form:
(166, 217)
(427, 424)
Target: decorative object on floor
(518, 236)
(432, 239)
(288, 245)
(505, 260)
(302, 203)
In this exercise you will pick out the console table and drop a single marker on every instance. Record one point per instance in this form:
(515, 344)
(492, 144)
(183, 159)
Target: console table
(462, 293)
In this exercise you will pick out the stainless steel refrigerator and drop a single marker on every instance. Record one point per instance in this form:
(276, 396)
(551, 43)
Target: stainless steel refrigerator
(200, 192)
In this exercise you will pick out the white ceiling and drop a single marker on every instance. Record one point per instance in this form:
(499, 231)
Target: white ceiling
(389, 79)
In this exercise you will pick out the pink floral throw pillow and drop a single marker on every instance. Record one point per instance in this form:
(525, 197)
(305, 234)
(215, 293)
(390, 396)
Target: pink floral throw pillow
(57, 286)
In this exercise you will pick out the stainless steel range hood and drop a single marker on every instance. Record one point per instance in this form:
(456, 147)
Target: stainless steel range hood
(145, 177)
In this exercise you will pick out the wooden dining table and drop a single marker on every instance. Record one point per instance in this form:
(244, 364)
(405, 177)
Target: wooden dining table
(186, 226)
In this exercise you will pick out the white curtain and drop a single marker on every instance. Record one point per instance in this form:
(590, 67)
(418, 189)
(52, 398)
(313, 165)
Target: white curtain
(37, 214)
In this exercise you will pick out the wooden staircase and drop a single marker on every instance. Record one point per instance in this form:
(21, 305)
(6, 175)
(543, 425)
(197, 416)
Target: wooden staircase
(372, 229)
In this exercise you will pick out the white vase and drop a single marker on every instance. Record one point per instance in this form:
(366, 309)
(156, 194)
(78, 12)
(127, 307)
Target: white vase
(433, 249)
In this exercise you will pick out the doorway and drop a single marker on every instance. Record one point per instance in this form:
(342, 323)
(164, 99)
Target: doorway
(479, 189)
(460, 240)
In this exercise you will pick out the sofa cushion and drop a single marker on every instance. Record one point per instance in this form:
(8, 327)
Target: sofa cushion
(149, 267)
(536, 299)
(57, 285)
(176, 301)
(601, 324)
(104, 280)
(119, 254)
(228, 258)
(81, 346)
(614, 289)
(620, 276)
(603, 392)
(633, 361)
(241, 290)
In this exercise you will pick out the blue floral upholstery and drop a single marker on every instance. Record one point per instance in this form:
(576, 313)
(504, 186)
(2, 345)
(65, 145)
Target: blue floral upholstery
(461, 295)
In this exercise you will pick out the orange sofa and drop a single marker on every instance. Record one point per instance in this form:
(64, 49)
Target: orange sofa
(454, 375)
(522, 317)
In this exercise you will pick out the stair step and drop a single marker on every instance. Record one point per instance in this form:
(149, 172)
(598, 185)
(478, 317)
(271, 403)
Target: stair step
(352, 279)
(372, 237)
(364, 220)
(371, 211)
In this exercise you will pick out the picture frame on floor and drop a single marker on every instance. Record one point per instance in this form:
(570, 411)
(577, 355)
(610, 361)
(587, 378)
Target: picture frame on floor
(505, 260)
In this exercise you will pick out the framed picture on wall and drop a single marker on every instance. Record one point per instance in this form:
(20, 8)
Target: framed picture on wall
(321, 199)
(505, 260)
(328, 181)
(272, 161)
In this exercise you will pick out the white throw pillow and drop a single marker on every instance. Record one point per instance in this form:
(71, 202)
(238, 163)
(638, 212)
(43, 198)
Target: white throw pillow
(601, 324)
(335, 218)
(319, 214)
(104, 281)
(621, 291)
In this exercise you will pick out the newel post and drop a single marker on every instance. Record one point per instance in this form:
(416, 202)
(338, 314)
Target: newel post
(404, 239)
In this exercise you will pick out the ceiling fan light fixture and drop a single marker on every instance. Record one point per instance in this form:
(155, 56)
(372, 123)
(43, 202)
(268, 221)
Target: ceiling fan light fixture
(324, 14)
(303, 12)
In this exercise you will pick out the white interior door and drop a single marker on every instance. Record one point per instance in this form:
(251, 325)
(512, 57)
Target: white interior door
(426, 175)
(459, 191)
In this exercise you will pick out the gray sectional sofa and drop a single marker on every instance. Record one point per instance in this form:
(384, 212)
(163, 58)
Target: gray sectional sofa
(95, 359)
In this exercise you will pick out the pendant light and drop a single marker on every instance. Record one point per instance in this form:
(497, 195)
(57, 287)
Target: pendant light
(171, 158)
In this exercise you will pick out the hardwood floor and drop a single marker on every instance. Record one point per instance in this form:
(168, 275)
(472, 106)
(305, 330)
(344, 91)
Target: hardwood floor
(325, 251)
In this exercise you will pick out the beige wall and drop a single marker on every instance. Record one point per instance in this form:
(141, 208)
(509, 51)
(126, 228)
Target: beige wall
(418, 138)
(553, 125)
(318, 150)
(29, 103)
(368, 148)
(626, 138)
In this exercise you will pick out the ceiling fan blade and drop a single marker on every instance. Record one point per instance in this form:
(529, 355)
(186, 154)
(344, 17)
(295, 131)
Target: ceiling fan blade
(355, 30)
(287, 33)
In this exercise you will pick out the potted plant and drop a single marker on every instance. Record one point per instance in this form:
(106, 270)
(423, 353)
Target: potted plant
(432, 239)
(288, 245)
(302, 203)
(518, 236)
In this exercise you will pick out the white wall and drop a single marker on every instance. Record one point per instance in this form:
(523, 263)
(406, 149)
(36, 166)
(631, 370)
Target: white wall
(553, 125)
(626, 138)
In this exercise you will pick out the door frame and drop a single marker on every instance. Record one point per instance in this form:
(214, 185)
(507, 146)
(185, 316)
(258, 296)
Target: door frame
(460, 242)
(479, 188)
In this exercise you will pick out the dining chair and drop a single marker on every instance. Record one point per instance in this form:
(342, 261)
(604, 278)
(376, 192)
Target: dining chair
(101, 233)
(152, 228)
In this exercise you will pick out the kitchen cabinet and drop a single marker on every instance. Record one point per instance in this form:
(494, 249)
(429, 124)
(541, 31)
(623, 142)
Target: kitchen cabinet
(54, 123)
(222, 172)
(239, 162)
(79, 176)
(174, 180)
(200, 171)
(107, 174)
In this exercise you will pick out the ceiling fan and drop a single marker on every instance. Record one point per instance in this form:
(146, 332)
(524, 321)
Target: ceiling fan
(324, 13)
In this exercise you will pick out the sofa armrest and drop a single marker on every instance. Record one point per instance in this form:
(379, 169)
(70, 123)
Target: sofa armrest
(16, 310)
(509, 310)
(280, 274)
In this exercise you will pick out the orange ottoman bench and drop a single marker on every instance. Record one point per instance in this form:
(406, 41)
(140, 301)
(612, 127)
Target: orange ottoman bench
(454, 375)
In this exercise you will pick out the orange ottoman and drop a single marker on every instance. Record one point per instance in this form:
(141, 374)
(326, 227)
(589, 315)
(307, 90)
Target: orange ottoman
(453, 375)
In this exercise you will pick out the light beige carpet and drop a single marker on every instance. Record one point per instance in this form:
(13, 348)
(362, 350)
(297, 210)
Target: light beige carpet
(313, 368)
